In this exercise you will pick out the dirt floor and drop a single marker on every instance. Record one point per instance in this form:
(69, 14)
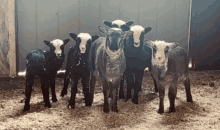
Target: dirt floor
(204, 113)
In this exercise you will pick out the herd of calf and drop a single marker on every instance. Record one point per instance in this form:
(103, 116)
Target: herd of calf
(122, 54)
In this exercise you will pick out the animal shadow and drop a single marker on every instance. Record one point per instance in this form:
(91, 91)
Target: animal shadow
(183, 110)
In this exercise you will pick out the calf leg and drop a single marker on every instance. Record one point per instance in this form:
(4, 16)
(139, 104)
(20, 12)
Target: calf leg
(188, 91)
(155, 84)
(161, 90)
(28, 90)
(114, 98)
(121, 89)
(106, 92)
(138, 83)
(66, 83)
(54, 97)
(45, 83)
(85, 83)
(172, 95)
(92, 87)
(130, 82)
(73, 92)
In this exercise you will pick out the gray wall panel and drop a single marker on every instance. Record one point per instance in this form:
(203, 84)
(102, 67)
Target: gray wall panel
(89, 16)
(147, 17)
(68, 22)
(26, 29)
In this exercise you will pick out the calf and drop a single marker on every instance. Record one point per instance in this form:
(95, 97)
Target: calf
(45, 65)
(78, 67)
(138, 57)
(169, 63)
(108, 60)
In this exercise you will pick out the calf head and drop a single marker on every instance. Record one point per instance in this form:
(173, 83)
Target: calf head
(57, 47)
(138, 35)
(160, 51)
(83, 41)
(115, 37)
(117, 23)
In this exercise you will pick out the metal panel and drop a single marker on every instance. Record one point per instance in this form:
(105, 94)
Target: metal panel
(68, 16)
(47, 29)
(165, 22)
(26, 29)
(147, 17)
(89, 16)
(205, 32)
(109, 11)
(181, 27)
(129, 11)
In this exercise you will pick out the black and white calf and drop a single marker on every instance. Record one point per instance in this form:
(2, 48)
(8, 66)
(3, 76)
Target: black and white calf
(45, 65)
(138, 57)
(169, 63)
(78, 67)
(117, 23)
(107, 60)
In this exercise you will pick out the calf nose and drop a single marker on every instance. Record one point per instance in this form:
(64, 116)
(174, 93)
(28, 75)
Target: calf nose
(159, 57)
(136, 43)
(59, 55)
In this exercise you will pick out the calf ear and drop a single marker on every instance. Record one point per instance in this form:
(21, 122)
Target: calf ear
(146, 30)
(103, 29)
(65, 41)
(129, 23)
(47, 42)
(149, 43)
(125, 28)
(173, 45)
(73, 35)
(107, 23)
(95, 37)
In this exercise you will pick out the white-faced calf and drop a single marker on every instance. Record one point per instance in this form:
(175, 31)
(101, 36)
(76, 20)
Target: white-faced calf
(138, 57)
(45, 65)
(169, 63)
(78, 67)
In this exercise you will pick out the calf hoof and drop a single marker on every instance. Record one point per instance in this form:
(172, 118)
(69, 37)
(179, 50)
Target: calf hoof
(160, 111)
(135, 100)
(88, 103)
(172, 109)
(190, 100)
(63, 93)
(71, 104)
(54, 100)
(121, 96)
(127, 99)
(106, 110)
(48, 105)
(26, 108)
(115, 110)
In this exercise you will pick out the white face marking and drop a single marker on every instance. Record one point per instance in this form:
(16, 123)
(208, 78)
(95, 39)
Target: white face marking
(84, 38)
(26, 61)
(116, 29)
(137, 29)
(160, 58)
(57, 43)
(119, 22)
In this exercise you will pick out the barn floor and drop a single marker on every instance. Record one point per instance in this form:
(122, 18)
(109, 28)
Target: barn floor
(204, 113)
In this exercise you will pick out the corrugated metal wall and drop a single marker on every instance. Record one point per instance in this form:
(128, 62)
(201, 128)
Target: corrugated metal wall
(205, 32)
(7, 39)
(40, 20)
